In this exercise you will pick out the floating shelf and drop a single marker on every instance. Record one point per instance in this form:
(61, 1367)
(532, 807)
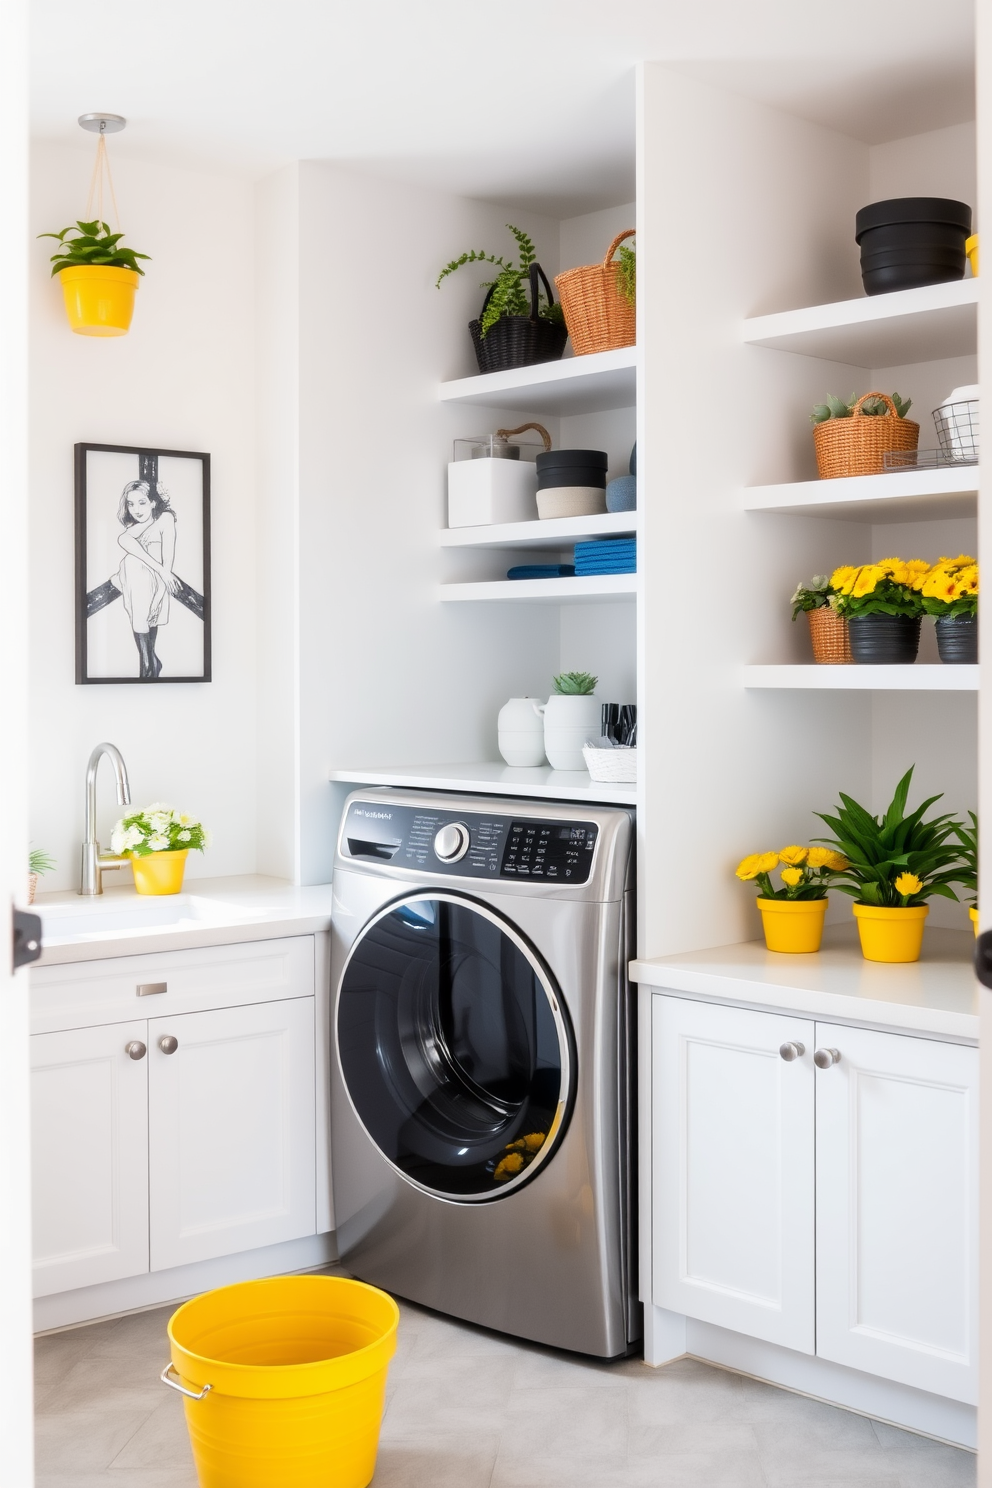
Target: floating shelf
(586, 384)
(922, 677)
(554, 533)
(888, 330)
(495, 779)
(601, 587)
(899, 496)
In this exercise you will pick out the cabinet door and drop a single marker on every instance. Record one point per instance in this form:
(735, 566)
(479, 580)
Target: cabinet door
(897, 1223)
(231, 1130)
(732, 1179)
(89, 1156)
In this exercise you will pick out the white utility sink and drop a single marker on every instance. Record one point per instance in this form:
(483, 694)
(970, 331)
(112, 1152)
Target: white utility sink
(116, 915)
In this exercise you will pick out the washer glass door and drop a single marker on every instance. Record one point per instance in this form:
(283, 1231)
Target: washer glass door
(455, 1047)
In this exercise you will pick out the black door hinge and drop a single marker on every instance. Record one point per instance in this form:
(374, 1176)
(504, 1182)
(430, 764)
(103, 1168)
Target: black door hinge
(27, 937)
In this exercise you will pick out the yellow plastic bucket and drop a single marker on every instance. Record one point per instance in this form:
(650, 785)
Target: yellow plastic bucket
(284, 1381)
(891, 934)
(793, 925)
(160, 872)
(99, 298)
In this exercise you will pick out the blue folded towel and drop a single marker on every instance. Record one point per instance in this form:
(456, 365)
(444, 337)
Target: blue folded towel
(541, 571)
(612, 568)
(618, 547)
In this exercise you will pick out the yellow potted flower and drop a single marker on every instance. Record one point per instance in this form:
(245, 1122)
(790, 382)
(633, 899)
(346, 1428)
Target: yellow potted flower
(792, 916)
(883, 606)
(950, 593)
(157, 841)
(895, 863)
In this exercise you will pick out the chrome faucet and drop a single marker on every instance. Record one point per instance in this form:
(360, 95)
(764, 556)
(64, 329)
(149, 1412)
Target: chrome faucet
(94, 862)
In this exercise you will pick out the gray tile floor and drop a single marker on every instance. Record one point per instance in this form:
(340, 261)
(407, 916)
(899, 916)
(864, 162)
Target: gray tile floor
(470, 1409)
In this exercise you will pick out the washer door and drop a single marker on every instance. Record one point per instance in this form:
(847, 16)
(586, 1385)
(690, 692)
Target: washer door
(455, 1047)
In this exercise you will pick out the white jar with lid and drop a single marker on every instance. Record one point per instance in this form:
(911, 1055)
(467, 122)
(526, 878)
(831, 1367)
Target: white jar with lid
(521, 732)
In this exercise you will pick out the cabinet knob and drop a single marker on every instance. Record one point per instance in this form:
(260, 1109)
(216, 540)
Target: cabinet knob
(824, 1058)
(792, 1051)
(168, 1044)
(135, 1049)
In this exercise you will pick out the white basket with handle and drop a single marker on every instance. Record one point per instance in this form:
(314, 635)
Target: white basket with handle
(616, 766)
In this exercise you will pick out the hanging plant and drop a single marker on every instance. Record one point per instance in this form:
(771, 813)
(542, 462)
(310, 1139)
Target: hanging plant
(94, 245)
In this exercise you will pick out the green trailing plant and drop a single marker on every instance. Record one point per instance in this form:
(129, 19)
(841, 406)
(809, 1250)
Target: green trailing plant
(575, 684)
(509, 288)
(40, 862)
(627, 260)
(94, 244)
(967, 835)
(874, 408)
(896, 860)
(815, 595)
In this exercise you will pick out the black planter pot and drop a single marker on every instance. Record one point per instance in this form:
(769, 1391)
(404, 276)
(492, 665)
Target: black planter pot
(910, 241)
(519, 340)
(878, 640)
(957, 639)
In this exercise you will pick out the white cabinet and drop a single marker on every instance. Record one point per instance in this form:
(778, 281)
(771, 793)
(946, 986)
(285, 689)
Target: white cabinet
(732, 1172)
(896, 1219)
(231, 1130)
(89, 1148)
(831, 1210)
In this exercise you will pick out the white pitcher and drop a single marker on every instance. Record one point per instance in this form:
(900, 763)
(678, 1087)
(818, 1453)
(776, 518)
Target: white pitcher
(521, 732)
(569, 720)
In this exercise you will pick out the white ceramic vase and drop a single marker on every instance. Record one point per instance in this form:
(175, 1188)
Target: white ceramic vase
(568, 723)
(521, 732)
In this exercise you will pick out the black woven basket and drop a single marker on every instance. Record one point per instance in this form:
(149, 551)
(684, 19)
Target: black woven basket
(519, 340)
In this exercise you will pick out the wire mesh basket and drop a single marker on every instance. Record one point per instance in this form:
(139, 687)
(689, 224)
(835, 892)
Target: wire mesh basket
(957, 428)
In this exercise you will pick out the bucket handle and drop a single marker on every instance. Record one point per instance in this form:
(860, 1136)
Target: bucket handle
(174, 1384)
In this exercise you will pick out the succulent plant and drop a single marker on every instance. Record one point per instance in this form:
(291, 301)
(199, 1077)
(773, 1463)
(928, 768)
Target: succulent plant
(575, 684)
(837, 408)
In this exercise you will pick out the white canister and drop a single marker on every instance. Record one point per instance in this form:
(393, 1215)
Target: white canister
(483, 492)
(521, 732)
(568, 722)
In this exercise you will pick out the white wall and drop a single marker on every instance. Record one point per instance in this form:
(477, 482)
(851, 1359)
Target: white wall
(181, 379)
(939, 163)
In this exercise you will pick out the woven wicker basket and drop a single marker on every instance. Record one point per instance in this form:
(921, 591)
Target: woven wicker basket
(829, 634)
(598, 315)
(857, 445)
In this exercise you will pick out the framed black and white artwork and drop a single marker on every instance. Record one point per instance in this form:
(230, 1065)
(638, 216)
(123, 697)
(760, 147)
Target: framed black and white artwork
(142, 565)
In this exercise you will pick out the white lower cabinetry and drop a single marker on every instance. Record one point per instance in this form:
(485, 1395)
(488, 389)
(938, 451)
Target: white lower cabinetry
(830, 1210)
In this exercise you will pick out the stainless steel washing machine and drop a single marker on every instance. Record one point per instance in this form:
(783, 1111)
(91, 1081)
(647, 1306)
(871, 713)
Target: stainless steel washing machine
(481, 1119)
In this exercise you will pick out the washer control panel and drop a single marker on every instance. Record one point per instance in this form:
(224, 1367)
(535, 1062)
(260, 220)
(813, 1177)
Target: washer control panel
(469, 844)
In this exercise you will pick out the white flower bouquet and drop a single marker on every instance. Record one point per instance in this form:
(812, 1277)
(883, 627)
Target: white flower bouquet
(157, 829)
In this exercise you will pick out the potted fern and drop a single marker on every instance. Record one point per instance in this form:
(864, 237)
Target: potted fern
(514, 329)
(98, 276)
(571, 716)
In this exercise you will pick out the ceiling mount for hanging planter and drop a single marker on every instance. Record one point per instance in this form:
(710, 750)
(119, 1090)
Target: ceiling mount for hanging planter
(99, 276)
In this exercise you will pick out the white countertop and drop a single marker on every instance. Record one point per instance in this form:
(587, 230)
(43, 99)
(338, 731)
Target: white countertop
(936, 995)
(209, 911)
(494, 779)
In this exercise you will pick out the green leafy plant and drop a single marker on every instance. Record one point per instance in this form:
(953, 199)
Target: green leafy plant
(509, 288)
(40, 862)
(575, 684)
(967, 836)
(157, 828)
(627, 260)
(815, 595)
(896, 860)
(874, 408)
(93, 244)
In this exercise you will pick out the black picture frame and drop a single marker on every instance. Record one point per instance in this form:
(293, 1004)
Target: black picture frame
(117, 487)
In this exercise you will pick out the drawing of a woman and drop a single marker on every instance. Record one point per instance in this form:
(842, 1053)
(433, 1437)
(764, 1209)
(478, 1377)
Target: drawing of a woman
(146, 578)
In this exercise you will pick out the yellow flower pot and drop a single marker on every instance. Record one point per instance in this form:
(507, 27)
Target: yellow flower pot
(973, 916)
(160, 872)
(971, 248)
(793, 925)
(99, 299)
(891, 934)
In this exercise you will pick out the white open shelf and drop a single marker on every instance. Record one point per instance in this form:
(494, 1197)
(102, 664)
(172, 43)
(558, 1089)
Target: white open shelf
(544, 591)
(910, 325)
(899, 496)
(921, 677)
(586, 384)
(554, 533)
(494, 778)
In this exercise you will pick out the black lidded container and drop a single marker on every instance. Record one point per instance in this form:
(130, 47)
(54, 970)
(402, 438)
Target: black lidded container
(571, 467)
(911, 241)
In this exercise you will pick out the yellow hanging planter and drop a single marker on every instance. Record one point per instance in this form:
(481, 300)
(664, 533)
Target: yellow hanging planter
(891, 934)
(99, 298)
(160, 872)
(793, 925)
